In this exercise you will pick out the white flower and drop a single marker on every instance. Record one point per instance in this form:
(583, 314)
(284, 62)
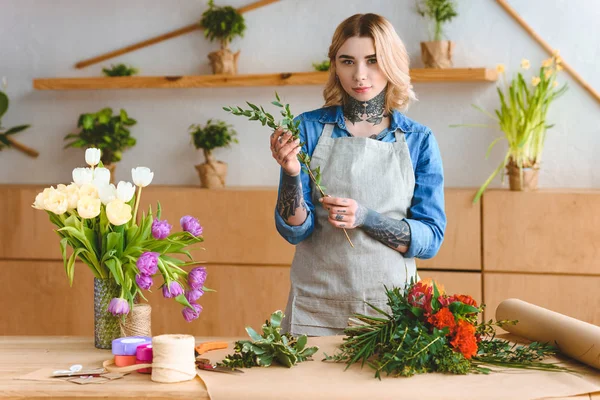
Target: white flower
(107, 193)
(88, 207)
(101, 176)
(82, 176)
(38, 204)
(142, 176)
(88, 190)
(125, 191)
(72, 192)
(55, 201)
(92, 157)
(118, 212)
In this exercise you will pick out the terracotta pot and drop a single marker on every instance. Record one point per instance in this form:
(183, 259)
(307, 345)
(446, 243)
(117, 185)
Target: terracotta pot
(224, 61)
(437, 54)
(212, 174)
(530, 177)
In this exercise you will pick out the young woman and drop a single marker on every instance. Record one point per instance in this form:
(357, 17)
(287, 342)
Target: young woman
(383, 172)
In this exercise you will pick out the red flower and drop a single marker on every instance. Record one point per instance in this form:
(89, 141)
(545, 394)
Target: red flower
(420, 296)
(443, 319)
(464, 340)
(465, 299)
(444, 300)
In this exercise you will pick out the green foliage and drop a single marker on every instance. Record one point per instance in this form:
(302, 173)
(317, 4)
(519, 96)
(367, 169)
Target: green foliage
(4, 140)
(105, 131)
(120, 70)
(222, 23)
(263, 350)
(322, 66)
(212, 135)
(258, 113)
(439, 12)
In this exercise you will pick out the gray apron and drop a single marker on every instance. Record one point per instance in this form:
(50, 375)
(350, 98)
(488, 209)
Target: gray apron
(330, 280)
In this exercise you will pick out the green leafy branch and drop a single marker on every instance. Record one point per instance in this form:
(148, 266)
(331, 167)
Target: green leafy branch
(271, 346)
(120, 70)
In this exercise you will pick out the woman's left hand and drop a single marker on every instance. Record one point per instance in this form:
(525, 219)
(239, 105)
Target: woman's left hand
(344, 213)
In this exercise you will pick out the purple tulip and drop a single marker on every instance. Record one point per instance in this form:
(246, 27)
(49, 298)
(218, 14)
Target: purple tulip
(197, 277)
(191, 225)
(143, 281)
(193, 295)
(172, 289)
(161, 229)
(118, 306)
(147, 263)
(189, 315)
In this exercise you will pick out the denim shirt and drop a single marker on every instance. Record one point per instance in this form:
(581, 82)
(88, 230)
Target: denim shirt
(426, 216)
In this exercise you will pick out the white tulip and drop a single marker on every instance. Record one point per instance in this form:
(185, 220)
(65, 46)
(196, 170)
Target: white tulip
(92, 157)
(125, 191)
(142, 176)
(88, 207)
(81, 176)
(88, 190)
(118, 213)
(38, 204)
(72, 192)
(101, 176)
(55, 201)
(107, 193)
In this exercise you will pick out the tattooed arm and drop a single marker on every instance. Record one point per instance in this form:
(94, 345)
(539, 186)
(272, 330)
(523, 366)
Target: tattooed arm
(290, 202)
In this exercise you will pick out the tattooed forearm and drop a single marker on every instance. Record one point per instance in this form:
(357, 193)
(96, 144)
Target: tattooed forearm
(290, 196)
(392, 232)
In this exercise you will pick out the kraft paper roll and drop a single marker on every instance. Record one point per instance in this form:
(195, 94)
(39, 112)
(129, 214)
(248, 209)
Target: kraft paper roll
(574, 338)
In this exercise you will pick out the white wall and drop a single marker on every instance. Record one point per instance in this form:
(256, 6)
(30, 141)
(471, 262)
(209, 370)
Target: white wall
(44, 38)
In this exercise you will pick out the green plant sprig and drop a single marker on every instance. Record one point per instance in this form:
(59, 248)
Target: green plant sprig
(120, 70)
(258, 113)
(271, 346)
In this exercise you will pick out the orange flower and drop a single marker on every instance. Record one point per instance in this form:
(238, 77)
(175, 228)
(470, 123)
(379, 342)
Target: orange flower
(464, 341)
(465, 299)
(443, 319)
(428, 282)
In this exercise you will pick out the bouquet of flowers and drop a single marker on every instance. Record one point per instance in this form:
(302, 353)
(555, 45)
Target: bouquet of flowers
(430, 331)
(98, 222)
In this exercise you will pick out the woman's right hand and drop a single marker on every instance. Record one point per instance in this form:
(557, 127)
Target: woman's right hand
(285, 151)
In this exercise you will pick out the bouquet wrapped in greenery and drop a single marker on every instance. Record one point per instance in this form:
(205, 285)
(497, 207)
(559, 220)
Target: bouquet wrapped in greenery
(97, 221)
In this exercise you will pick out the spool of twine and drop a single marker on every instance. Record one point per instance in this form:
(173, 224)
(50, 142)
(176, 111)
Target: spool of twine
(138, 322)
(172, 360)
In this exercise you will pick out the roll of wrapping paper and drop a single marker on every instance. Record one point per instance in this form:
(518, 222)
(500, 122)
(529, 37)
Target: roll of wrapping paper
(574, 338)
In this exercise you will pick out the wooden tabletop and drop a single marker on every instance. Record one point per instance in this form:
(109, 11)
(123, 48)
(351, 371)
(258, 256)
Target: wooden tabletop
(22, 355)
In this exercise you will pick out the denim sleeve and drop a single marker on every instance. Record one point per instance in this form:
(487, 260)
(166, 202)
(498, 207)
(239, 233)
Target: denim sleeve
(426, 216)
(296, 234)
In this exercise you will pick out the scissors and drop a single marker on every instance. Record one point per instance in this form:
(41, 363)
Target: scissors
(204, 363)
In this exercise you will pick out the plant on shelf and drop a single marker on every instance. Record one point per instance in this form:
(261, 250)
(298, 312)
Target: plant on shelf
(437, 53)
(6, 139)
(522, 118)
(322, 66)
(120, 70)
(99, 223)
(105, 131)
(223, 24)
(213, 135)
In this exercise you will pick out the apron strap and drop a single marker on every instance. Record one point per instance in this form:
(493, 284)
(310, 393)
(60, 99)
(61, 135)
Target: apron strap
(327, 130)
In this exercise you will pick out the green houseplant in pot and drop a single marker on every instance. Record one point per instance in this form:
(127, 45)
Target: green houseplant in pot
(522, 118)
(437, 53)
(213, 135)
(223, 24)
(105, 131)
(120, 70)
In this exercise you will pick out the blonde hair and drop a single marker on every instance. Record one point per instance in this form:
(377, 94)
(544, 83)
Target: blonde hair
(392, 59)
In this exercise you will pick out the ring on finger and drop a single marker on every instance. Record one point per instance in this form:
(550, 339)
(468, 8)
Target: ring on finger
(339, 217)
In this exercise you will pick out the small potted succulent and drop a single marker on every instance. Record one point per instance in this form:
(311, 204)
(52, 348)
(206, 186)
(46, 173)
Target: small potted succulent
(120, 70)
(105, 131)
(223, 24)
(213, 135)
(437, 53)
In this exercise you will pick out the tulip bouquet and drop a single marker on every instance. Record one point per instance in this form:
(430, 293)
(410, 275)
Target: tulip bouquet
(98, 221)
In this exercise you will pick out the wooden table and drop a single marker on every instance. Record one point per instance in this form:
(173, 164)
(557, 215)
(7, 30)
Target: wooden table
(21, 355)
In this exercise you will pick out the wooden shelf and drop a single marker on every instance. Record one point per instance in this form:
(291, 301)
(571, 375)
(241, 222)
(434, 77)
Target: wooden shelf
(280, 79)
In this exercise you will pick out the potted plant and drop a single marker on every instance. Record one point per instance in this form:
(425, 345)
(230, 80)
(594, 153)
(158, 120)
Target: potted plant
(522, 117)
(437, 53)
(5, 135)
(105, 131)
(223, 24)
(120, 70)
(322, 66)
(214, 135)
